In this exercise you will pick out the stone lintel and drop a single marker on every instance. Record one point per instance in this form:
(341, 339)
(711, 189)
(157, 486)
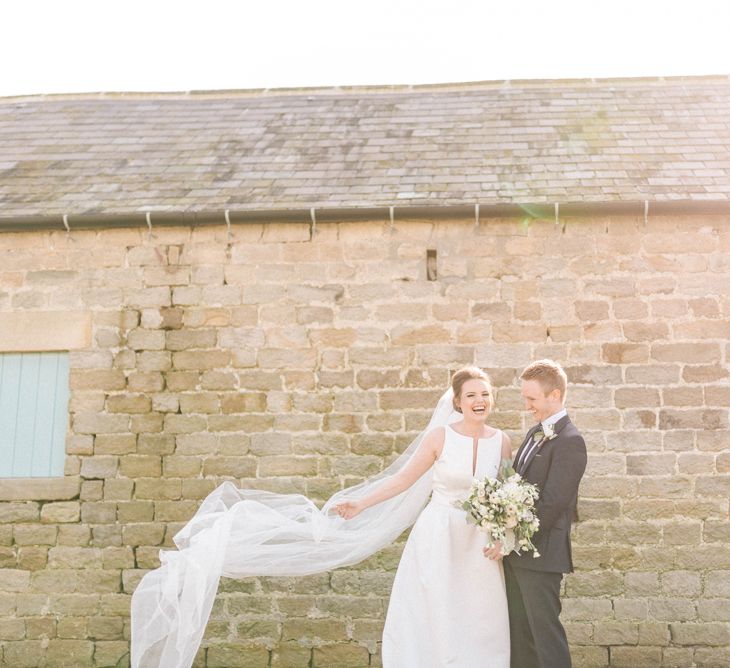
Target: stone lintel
(44, 331)
(39, 489)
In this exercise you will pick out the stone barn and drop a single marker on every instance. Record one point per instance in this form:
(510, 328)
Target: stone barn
(272, 287)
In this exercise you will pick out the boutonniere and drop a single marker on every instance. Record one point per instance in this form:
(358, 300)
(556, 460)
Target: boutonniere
(547, 433)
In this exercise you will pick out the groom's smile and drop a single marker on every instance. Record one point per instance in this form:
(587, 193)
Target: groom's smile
(539, 404)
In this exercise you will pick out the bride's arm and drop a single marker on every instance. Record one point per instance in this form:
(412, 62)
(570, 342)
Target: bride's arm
(428, 452)
(495, 552)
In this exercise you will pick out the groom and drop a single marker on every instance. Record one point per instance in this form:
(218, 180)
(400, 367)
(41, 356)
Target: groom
(553, 457)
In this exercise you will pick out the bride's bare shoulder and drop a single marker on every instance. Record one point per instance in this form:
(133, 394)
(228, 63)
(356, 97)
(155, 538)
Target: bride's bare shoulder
(434, 440)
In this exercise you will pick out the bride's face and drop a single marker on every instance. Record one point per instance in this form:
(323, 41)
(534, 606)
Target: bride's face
(475, 399)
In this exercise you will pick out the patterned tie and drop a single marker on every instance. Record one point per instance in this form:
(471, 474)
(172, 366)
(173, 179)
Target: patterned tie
(534, 443)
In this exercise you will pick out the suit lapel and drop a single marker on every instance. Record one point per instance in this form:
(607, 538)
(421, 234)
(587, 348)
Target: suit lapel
(528, 438)
(559, 425)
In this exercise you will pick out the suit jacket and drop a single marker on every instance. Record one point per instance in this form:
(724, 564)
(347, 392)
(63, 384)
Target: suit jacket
(556, 467)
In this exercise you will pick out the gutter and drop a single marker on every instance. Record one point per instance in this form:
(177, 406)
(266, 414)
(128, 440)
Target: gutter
(314, 215)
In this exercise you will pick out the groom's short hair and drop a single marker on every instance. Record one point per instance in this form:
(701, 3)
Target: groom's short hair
(549, 375)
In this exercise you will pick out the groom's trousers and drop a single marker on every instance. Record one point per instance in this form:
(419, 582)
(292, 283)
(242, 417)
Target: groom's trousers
(537, 637)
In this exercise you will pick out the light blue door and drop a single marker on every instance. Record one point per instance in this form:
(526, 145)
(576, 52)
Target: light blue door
(33, 414)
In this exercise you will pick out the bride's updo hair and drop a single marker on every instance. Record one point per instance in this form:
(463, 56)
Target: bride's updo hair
(468, 373)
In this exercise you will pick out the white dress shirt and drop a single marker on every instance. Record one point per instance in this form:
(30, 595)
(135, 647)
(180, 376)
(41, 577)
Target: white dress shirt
(533, 443)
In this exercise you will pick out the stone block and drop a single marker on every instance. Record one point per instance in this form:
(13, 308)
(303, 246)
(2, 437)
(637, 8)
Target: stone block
(99, 512)
(155, 444)
(99, 466)
(19, 512)
(34, 534)
(625, 353)
(39, 628)
(637, 657)
(146, 339)
(243, 402)
(200, 402)
(630, 309)
(61, 512)
(686, 353)
(340, 656)
(14, 580)
(38, 489)
(63, 557)
(613, 633)
(62, 653)
(146, 533)
(97, 379)
(711, 657)
(683, 396)
(183, 339)
(74, 534)
(151, 381)
(99, 423)
(118, 489)
(174, 511)
(135, 511)
(246, 423)
(290, 655)
(645, 331)
(24, 653)
(652, 374)
(220, 380)
(695, 462)
(183, 424)
(717, 395)
(707, 633)
(128, 403)
(236, 655)
(320, 444)
(153, 360)
(156, 488)
(201, 360)
(146, 424)
(651, 464)
(81, 444)
(111, 653)
(285, 466)
(181, 466)
(714, 485)
(629, 397)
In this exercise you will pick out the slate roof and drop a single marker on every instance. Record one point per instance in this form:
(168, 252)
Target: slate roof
(492, 142)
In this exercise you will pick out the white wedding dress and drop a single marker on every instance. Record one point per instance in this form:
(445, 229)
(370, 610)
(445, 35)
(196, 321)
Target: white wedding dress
(448, 605)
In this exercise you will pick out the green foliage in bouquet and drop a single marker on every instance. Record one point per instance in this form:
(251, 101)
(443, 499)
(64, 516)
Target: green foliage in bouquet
(504, 508)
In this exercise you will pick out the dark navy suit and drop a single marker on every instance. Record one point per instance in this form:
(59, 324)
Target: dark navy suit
(533, 584)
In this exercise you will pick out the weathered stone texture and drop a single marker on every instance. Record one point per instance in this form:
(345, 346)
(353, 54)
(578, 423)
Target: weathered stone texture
(300, 364)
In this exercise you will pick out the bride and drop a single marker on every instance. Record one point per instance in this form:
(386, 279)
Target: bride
(448, 605)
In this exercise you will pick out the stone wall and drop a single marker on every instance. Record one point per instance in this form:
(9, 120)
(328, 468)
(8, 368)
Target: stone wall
(303, 364)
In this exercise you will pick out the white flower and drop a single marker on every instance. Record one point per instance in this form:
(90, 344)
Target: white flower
(549, 431)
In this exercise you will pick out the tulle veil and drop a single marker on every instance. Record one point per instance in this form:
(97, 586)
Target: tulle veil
(240, 533)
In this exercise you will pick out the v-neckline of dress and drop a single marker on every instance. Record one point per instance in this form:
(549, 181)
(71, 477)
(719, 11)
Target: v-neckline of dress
(475, 446)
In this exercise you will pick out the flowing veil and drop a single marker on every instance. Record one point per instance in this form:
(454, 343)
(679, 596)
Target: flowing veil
(240, 533)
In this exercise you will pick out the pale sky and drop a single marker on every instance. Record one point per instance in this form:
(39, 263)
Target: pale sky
(71, 46)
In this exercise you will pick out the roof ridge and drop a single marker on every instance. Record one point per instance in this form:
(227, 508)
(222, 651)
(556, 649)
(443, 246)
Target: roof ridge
(377, 88)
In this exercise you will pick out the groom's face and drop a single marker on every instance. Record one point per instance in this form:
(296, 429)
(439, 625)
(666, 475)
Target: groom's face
(540, 405)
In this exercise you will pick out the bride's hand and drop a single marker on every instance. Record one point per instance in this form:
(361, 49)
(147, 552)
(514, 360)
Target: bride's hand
(494, 552)
(348, 509)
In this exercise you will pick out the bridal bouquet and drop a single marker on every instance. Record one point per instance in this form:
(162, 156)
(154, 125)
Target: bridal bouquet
(504, 509)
